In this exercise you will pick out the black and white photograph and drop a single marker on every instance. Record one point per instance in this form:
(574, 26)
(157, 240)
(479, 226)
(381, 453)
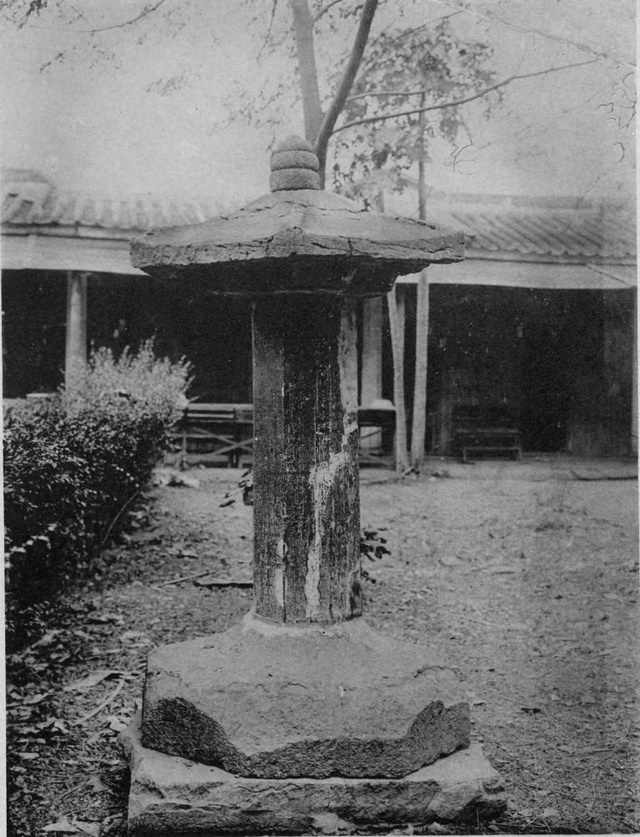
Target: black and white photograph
(320, 428)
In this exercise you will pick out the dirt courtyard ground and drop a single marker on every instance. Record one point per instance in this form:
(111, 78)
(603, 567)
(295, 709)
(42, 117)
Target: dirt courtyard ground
(523, 575)
(526, 578)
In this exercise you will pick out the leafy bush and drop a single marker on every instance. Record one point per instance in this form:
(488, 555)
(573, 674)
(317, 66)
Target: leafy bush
(156, 385)
(73, 464)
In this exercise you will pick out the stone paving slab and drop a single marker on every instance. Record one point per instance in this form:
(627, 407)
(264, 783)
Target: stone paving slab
(171, 795)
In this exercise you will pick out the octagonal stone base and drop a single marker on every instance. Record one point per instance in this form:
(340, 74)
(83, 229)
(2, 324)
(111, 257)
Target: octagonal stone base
(175, 796)
(272, 701)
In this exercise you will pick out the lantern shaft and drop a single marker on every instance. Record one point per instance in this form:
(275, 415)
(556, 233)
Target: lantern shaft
(306, 497)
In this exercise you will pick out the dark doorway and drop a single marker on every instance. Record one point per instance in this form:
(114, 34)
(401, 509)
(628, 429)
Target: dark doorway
(33, 331)
(544, 395)
(212, 332)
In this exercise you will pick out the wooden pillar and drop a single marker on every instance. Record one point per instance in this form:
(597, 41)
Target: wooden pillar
(76, 337)
(634, 380)
(420, 386)
(371, 379)
(306, 494)
(396, 301)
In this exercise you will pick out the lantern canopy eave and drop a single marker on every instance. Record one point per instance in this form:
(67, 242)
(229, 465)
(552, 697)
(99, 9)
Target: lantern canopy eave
(297, 240)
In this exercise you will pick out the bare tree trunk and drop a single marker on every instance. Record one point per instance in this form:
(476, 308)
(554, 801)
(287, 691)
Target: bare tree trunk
(346, 82)
(305, 50)
(422, 186)
(419, 424)
(396, 305)
(318, 126)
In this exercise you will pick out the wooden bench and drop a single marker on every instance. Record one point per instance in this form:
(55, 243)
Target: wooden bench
(479, 431)
(372, 420)
(494, 440)
(225, 430)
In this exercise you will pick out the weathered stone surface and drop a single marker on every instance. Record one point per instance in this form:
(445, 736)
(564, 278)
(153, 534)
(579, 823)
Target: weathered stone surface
(296, 240)
(267, 700)
(307, 565)
(175, 796)
(294, 142)
(302, 178)
(294, 159)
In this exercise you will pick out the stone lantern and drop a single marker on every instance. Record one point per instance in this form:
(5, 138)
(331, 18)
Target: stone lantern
(301, 716)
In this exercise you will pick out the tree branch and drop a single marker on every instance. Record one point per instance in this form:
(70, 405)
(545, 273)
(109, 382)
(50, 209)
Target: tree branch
(326, 9)
(268, 35)
(329, 121)
(146, 11)
(386, 93)
(382, 117)
(407, 33)
(559, 39)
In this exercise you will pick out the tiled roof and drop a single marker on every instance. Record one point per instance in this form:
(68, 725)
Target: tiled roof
(28, 199)
(543, 227)
(556, 227)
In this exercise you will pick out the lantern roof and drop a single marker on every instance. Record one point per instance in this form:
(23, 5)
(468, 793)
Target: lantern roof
(297, 238)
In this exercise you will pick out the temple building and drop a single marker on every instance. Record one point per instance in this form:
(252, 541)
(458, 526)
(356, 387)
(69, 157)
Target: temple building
(536, 329)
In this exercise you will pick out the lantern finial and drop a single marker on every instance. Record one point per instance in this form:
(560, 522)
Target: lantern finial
(294, 165)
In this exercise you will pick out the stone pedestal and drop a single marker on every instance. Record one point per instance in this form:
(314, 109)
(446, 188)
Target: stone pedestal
(273, 701)
(268, 727)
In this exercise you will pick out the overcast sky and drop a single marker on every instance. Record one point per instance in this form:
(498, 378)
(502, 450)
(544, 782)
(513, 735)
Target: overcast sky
(122, 114)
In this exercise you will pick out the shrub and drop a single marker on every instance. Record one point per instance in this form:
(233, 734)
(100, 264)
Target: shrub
(156, 385)
(71, 465)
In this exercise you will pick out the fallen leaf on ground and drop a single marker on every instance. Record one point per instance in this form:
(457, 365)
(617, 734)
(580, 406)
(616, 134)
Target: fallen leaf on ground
(115, 723)
(92, 680)
(33, 699)
(106, 618)
(64, 826)
(111, 824)
(91, 828)
(437, 828)
(96, 784)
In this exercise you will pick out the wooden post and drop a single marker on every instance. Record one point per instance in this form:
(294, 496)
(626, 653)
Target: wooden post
(306, 494)
(76, 336)
(396, 304)
(420, 386)
(371, 381)
(634, 380)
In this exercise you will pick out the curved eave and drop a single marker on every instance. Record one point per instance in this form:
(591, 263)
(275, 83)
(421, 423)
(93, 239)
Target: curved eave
(286, 245)
(302, 225)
